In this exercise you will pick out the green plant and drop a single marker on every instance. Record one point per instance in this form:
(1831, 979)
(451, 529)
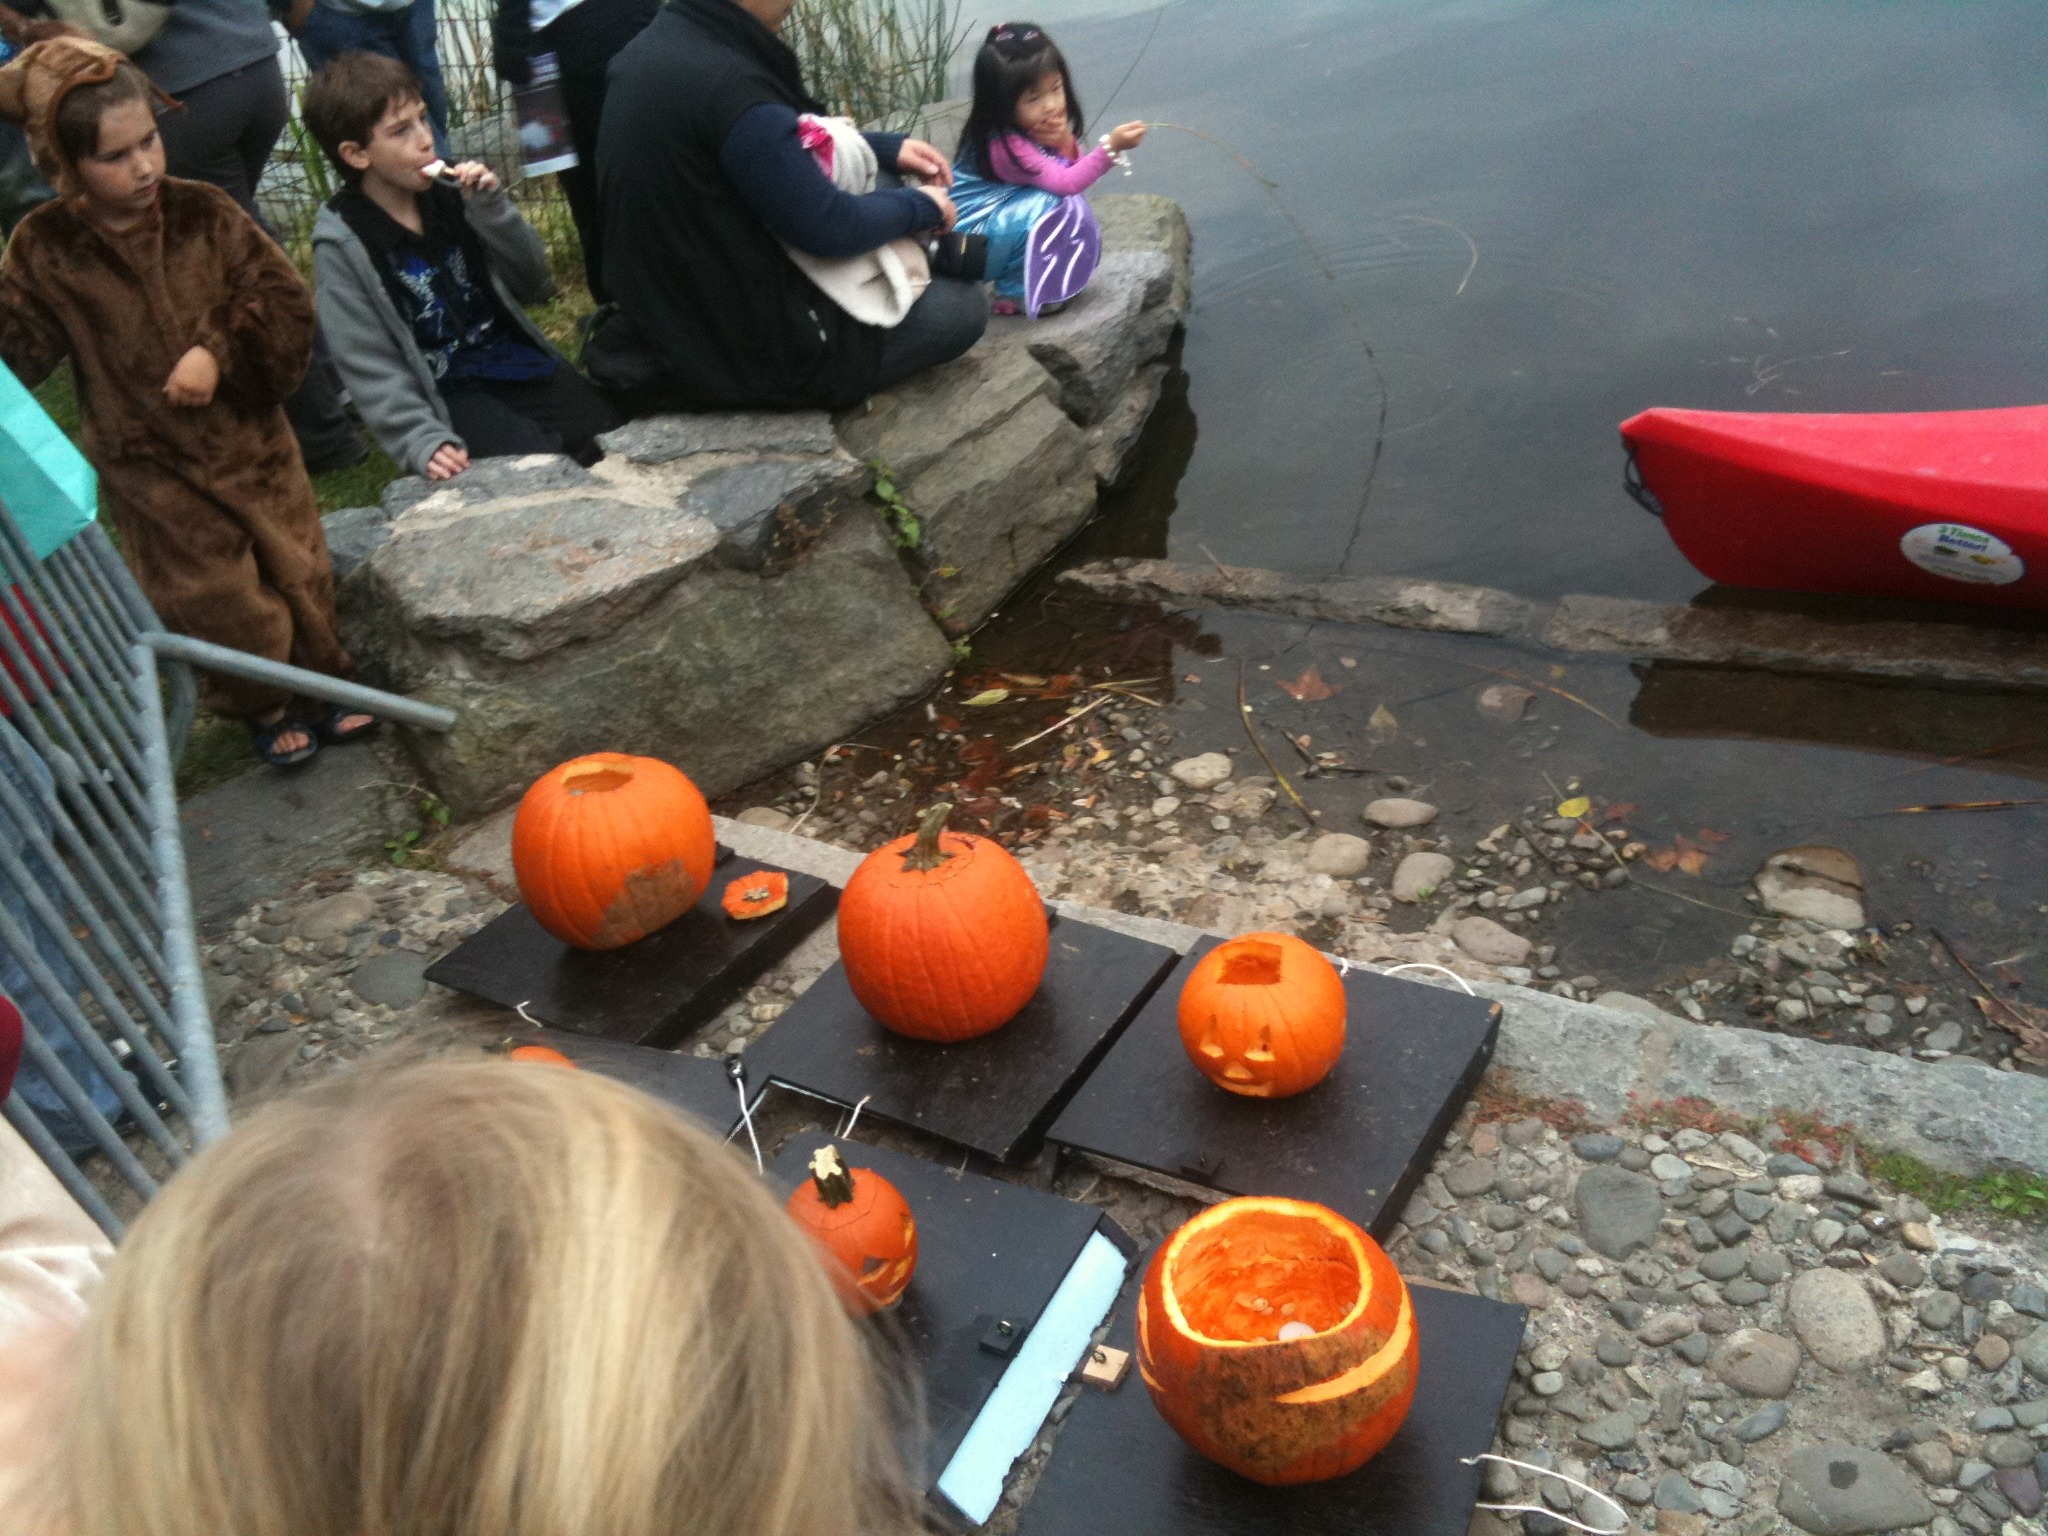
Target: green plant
(433, 813)
(876, 61)
(2003, 1192)
(904, 527)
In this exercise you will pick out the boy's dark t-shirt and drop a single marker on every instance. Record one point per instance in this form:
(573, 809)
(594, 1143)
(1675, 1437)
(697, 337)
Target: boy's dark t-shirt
(440, 281)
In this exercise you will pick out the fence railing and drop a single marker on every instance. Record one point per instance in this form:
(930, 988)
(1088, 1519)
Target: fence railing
(120, 1079)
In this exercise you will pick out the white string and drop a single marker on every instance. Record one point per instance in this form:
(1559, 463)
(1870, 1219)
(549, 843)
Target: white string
(1542, 1509)
(739, 1083)
(847, 1129)
(1430, 965)
(520, 1009)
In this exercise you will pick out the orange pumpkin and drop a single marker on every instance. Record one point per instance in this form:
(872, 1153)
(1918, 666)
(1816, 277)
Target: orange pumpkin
(542, 1055)
(1278, 1340)
(1263, 1016)
(756, 895)
(862, 1225)
(608, 848)
(942, 934)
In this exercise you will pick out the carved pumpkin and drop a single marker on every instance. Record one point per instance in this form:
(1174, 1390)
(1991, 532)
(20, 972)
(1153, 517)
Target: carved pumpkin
(756, 895)
(862, 1225)
(1263, 1016)
(1278, 1340)
(942, 934)
(542, 1055)
(608, 848)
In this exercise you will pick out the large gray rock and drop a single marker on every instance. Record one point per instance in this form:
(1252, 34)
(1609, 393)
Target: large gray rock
(554, 629)
(1094, 347)
(769, 512)
(1843, 1490)
(1617, 1211)
(1113, 440)
(1835, 1319)
(664, 439)
(939, 413)
(353, 534)
(1146, 221)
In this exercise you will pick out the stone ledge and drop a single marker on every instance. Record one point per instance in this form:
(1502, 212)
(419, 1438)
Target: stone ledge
(1959, 1116)
(1607, 626)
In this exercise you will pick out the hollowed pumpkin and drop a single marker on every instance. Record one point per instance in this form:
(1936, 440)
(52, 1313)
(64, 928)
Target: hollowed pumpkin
(608, 848)
(862, 1226)
(756, 895)
(942, 934)
(541, 1055)
(1263, 1016)
(1278, 1340)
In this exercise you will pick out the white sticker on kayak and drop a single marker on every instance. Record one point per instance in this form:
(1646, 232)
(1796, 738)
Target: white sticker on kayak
(1962, 553)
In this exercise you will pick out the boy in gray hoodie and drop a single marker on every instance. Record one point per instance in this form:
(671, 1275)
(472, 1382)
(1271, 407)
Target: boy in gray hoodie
(420, 271)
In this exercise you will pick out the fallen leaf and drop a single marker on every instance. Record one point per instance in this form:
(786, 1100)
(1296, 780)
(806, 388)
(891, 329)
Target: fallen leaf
(1192, 677)
(1684, 855)
(1382, 727)
(1025, 679)
(1621, 811)
(1347, 662)
(1575, 807)
(988, 696)
(1308, 688)
(1711, 837)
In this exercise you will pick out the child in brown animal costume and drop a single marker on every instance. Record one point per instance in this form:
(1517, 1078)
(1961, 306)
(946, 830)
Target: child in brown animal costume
(186, 327)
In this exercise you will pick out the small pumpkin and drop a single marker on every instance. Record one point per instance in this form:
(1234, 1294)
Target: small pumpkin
(608, 848)
(1278, 1340)
(756, 895)
(942, 934)
(541, 1055)
(862, 1225)
(1263, 1015)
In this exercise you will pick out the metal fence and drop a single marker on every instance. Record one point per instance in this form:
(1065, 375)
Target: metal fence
(119, 1077)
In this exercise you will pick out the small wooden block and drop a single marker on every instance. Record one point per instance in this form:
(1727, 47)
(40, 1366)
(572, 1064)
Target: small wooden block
(1105, 1367)
(995, 1094)
(653, 993)
(1358, 1142)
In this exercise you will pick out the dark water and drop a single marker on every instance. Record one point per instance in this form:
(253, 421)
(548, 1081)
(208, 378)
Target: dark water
(1768, 205)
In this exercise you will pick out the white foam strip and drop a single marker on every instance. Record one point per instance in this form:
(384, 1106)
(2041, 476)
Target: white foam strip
(1009, 1421)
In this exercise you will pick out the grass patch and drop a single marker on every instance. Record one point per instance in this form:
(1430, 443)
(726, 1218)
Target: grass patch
(217, 750)
(2020, 1196)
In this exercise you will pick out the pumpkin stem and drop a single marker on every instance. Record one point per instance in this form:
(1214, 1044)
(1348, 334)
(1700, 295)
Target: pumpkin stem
(830, 1174)
(926, 853)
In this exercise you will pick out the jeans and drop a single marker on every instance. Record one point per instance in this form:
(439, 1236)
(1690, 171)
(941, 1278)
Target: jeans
(946, 320)
(405, 35)
(498, 419)
(32, 780)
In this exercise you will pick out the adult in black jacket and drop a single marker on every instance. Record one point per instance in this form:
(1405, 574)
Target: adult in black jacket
(701, 176)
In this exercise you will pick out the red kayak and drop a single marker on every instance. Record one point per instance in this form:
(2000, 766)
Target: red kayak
(1940, 506)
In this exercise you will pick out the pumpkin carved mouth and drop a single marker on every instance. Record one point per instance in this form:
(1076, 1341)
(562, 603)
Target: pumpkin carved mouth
(1263, 1016)
(1278, 1340)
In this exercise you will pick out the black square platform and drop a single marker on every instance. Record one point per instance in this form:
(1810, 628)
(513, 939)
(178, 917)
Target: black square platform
(700, 1088)
(1358, 1142)
(653, 992)
(1119, 1467)
(995, 1094)
(987, 1253)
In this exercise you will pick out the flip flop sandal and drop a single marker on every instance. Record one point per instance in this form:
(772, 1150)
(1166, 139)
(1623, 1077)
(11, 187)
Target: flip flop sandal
(329, 727)
(265, 739)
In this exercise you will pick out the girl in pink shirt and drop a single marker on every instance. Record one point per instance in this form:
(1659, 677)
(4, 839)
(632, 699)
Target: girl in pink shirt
(1021, 171)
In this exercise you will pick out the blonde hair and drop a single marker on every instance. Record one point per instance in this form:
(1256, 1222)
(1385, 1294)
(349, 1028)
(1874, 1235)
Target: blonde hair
(476, 1299)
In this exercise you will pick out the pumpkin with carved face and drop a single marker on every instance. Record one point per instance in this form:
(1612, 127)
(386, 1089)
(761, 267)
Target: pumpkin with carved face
(1278, 1340)
(1263, 1016)
(862, 1227)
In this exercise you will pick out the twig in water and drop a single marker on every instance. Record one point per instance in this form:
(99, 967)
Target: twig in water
(1960, 805)
(1473, 266)
(1221, 569)
(1244, 713)
(1060, 725)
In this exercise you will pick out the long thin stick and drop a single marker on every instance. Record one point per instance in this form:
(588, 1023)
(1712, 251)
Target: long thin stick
(1379, 439)
(1959, 805)
(1060, 725)
(1244, 713)
(1990, 999)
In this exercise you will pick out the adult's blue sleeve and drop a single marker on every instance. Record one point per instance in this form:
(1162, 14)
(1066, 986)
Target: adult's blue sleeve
(779, 180)
(887, 147)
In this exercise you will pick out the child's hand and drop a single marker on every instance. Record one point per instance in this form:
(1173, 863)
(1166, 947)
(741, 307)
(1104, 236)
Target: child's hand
(1129, 136)
(194, 380)
(449, 460)
(475, 176)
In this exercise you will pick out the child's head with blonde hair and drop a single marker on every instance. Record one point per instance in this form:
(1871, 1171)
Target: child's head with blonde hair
(475, 1299)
